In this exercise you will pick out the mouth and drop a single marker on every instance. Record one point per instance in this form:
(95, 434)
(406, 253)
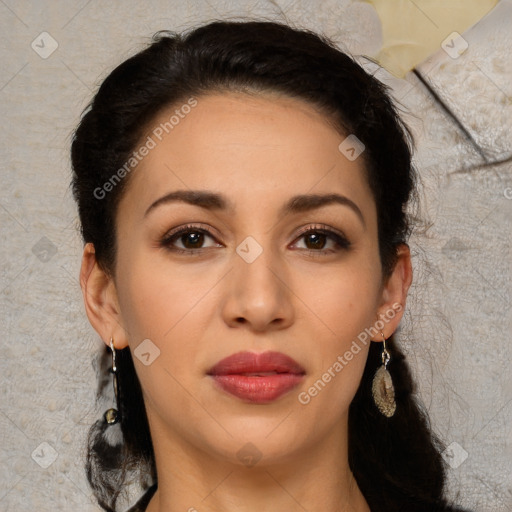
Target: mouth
(257, 378)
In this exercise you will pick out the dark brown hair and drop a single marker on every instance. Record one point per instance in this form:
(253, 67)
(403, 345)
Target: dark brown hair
(396, 461)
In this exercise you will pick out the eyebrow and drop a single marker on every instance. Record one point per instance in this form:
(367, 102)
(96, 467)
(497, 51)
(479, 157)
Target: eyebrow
(214, 201)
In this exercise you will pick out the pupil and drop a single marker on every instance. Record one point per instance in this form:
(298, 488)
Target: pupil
(194, 238)
(317, 240)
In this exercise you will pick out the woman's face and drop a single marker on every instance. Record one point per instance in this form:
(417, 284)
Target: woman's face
(247, 277)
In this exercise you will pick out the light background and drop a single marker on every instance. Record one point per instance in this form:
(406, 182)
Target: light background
(457, 329)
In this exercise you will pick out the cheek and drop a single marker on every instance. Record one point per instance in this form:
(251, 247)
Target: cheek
(344, 308)
(156, 298)
(345, 300)
(173, 308)
(166, 308)
(339, 356)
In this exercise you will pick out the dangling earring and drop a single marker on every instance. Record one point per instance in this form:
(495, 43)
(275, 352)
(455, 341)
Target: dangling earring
(382, 388)
(112, 415)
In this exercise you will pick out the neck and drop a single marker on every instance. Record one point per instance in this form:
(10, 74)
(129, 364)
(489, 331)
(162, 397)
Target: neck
(315, 479)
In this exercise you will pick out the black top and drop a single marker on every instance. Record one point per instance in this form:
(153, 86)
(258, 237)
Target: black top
(143, 502)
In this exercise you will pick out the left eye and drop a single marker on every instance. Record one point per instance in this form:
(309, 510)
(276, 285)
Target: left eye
(315, 240)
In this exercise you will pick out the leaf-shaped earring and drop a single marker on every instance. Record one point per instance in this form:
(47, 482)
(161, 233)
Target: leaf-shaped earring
(382, 387)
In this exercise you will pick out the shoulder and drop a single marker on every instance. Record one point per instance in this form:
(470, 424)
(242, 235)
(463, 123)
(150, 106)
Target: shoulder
(143, 502)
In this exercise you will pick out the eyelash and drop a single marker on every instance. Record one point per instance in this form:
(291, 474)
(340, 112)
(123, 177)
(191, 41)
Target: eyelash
(340, 240)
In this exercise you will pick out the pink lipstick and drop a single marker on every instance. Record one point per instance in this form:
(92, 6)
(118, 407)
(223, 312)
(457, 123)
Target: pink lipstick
(257, 378)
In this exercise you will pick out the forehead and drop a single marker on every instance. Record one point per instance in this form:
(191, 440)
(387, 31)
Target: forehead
(251, 147)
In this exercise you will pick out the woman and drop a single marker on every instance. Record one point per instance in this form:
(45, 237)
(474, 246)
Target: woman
(241, 191)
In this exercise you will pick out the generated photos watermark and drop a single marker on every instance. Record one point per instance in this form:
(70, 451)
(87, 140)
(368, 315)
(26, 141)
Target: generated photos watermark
(342, 360)
(157, 135)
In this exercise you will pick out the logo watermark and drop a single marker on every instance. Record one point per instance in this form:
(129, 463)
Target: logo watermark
(351, 147)
(454, 455)
(44, 45)
(249, 455)
(45, 455)
(249, 249)
(454, 45)
(146, 352)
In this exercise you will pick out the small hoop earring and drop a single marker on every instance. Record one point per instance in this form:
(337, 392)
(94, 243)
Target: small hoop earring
(112, 415)
(382, 387)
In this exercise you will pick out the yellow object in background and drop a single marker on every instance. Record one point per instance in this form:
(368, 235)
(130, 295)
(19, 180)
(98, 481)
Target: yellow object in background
(414, 29)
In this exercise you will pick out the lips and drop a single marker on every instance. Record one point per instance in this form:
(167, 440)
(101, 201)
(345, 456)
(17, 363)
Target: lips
(257, 378)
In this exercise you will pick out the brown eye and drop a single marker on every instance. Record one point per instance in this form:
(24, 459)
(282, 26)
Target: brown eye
(187, 240)
(192, 239)
(316, 239)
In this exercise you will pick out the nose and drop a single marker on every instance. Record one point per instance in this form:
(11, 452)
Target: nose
(258, 294)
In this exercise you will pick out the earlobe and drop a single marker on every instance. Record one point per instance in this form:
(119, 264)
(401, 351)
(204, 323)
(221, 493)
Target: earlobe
(100, 299)
(394, 293)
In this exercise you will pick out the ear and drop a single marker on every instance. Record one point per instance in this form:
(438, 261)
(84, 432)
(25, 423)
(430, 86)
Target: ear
(394, 294)
(100, 300)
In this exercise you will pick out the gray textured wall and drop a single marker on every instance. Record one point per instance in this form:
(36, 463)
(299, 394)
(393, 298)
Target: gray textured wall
(457, 331)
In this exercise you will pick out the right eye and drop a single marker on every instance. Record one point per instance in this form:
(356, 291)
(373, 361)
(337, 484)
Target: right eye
(191, 238)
